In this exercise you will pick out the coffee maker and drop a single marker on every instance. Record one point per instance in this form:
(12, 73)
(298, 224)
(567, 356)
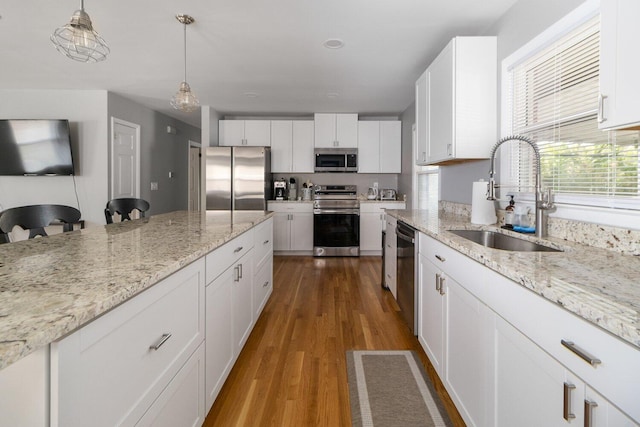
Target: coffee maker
(280, 189)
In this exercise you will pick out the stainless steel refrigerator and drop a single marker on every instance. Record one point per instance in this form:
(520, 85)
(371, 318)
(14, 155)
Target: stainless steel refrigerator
(238, 178)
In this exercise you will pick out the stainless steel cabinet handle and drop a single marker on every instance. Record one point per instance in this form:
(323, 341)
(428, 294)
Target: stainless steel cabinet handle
(566, 408)
(236, 270)
(265, 242)
(601, 117)
(265, 284)
(583, 354)
(240, 269)
(438, 282)
(589, 406)
(442, 279)
(236, 250)
(163, 339)
(440, 258)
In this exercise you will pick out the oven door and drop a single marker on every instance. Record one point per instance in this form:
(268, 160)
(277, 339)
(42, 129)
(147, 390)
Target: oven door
(336, 232)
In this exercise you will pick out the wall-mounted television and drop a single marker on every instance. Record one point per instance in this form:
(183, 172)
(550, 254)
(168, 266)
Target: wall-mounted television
(35, 147)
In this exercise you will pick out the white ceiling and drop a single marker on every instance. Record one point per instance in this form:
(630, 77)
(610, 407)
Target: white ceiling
(272, 48)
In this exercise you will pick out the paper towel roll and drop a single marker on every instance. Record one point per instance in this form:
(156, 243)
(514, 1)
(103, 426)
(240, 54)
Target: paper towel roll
(482, 210)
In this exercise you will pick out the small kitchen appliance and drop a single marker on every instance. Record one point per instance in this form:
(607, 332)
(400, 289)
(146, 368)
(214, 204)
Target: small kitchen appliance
(372, 193)
(388, 194)
(293, 189)
(280, 189)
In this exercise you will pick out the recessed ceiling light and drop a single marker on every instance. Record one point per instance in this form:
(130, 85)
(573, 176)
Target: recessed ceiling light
(333, 44)
(251, 94)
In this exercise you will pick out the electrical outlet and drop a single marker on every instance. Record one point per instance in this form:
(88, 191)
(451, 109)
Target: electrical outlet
(154, 186)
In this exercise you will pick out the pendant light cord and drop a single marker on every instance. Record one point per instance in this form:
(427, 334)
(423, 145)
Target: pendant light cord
(185, 52)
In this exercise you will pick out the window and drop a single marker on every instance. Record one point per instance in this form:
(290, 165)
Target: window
(552, 97)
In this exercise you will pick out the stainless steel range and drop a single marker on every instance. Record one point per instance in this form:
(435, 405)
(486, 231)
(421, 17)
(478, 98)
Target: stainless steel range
(336, 221)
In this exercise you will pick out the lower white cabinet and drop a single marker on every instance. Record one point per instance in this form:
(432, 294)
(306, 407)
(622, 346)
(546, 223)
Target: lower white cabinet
(242, 312)
(372, 222)
(111, 371)
(292, 226)
(262, 287)
(504, 355)
(390, 254)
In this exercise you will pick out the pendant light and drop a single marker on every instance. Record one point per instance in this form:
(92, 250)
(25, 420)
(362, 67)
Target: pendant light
(78, 40)
(184, 99)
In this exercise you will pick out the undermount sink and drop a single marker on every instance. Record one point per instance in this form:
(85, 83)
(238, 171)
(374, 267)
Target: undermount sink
(492, 239)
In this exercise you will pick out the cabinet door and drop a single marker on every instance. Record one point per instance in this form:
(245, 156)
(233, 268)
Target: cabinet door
(302, 147)
(257, 133)
(441, 114)
(302, 231)
(219, 334)
(368, 146)
(262, 287)
(529, 384)
(467, 351)
(281, 145)
(371, 231)
(241, 290)
(431, 314)
(619, 63)
(231, 132)
(390, 262)
(422, 115)
(324, 130)
(347, 130)
(281, 231)
(602, 413)
(390, 147)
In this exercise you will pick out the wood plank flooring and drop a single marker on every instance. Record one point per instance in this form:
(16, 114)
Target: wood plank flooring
(292, 370)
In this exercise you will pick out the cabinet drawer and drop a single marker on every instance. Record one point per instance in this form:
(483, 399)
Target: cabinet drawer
(262, 287)
(263, 243)
(467, 272)
(220, 259)
(617, 377)
(110, 371)
(290, 207)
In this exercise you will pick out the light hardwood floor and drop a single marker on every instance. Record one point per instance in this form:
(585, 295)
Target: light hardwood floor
(292, 370)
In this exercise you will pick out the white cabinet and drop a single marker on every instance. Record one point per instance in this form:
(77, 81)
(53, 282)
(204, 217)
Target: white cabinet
(24, 391)
(390, 253)
(456, 101)
(292, 146)
(241, 310)
(379, 146)
(336, 130)
(372, 222)
(619, 65)
(256, 133)
(292, 226)
(112, 370)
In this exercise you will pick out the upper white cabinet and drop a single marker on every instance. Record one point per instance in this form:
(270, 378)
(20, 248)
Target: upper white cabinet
(456, 103)
(256, 133)
(336, 130)
(379, 146)
(292, 146)
(619, 65)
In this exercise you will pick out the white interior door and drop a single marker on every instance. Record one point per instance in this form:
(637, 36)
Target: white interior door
(194, 178)
(125, 159)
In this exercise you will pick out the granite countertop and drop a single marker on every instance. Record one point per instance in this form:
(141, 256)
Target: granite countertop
(51, 286)
(598, 285)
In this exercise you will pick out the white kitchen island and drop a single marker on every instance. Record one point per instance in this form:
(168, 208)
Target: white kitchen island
(113, 286)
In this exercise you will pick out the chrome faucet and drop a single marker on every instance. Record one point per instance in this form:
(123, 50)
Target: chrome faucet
(544, 201)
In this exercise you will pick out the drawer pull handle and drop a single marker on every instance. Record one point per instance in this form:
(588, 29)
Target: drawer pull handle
(163, 339)
(265, 242)
(238, 249)
(265, 284)
(584, 355)
(440, 258)
(566, 408)
(589, 406)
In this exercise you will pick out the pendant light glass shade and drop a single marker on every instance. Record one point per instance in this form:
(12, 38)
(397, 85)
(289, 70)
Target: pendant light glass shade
(78, 40)
(184, 99)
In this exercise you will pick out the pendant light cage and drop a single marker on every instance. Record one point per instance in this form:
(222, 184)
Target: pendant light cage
(78, 40)
(185, 100)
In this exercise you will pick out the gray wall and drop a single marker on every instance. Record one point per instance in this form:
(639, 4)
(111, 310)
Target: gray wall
(362, 180)
(524, 21)
(405, 179)
(160, 153)
(86, 111)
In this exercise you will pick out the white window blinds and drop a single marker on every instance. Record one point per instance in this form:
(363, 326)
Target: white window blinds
(554, 99)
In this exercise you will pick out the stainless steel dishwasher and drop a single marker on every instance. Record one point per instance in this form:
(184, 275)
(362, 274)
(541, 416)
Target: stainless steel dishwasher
(406, 274)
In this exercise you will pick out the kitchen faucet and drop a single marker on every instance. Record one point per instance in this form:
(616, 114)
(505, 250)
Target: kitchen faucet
(544, 201)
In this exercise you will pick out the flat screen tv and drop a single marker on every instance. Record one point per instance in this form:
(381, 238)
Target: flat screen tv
(35, 147)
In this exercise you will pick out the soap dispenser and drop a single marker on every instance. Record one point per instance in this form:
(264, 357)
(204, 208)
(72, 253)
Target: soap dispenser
(509, 214)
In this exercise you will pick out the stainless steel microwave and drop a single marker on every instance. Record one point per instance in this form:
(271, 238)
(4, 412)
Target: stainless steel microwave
(336, 160)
